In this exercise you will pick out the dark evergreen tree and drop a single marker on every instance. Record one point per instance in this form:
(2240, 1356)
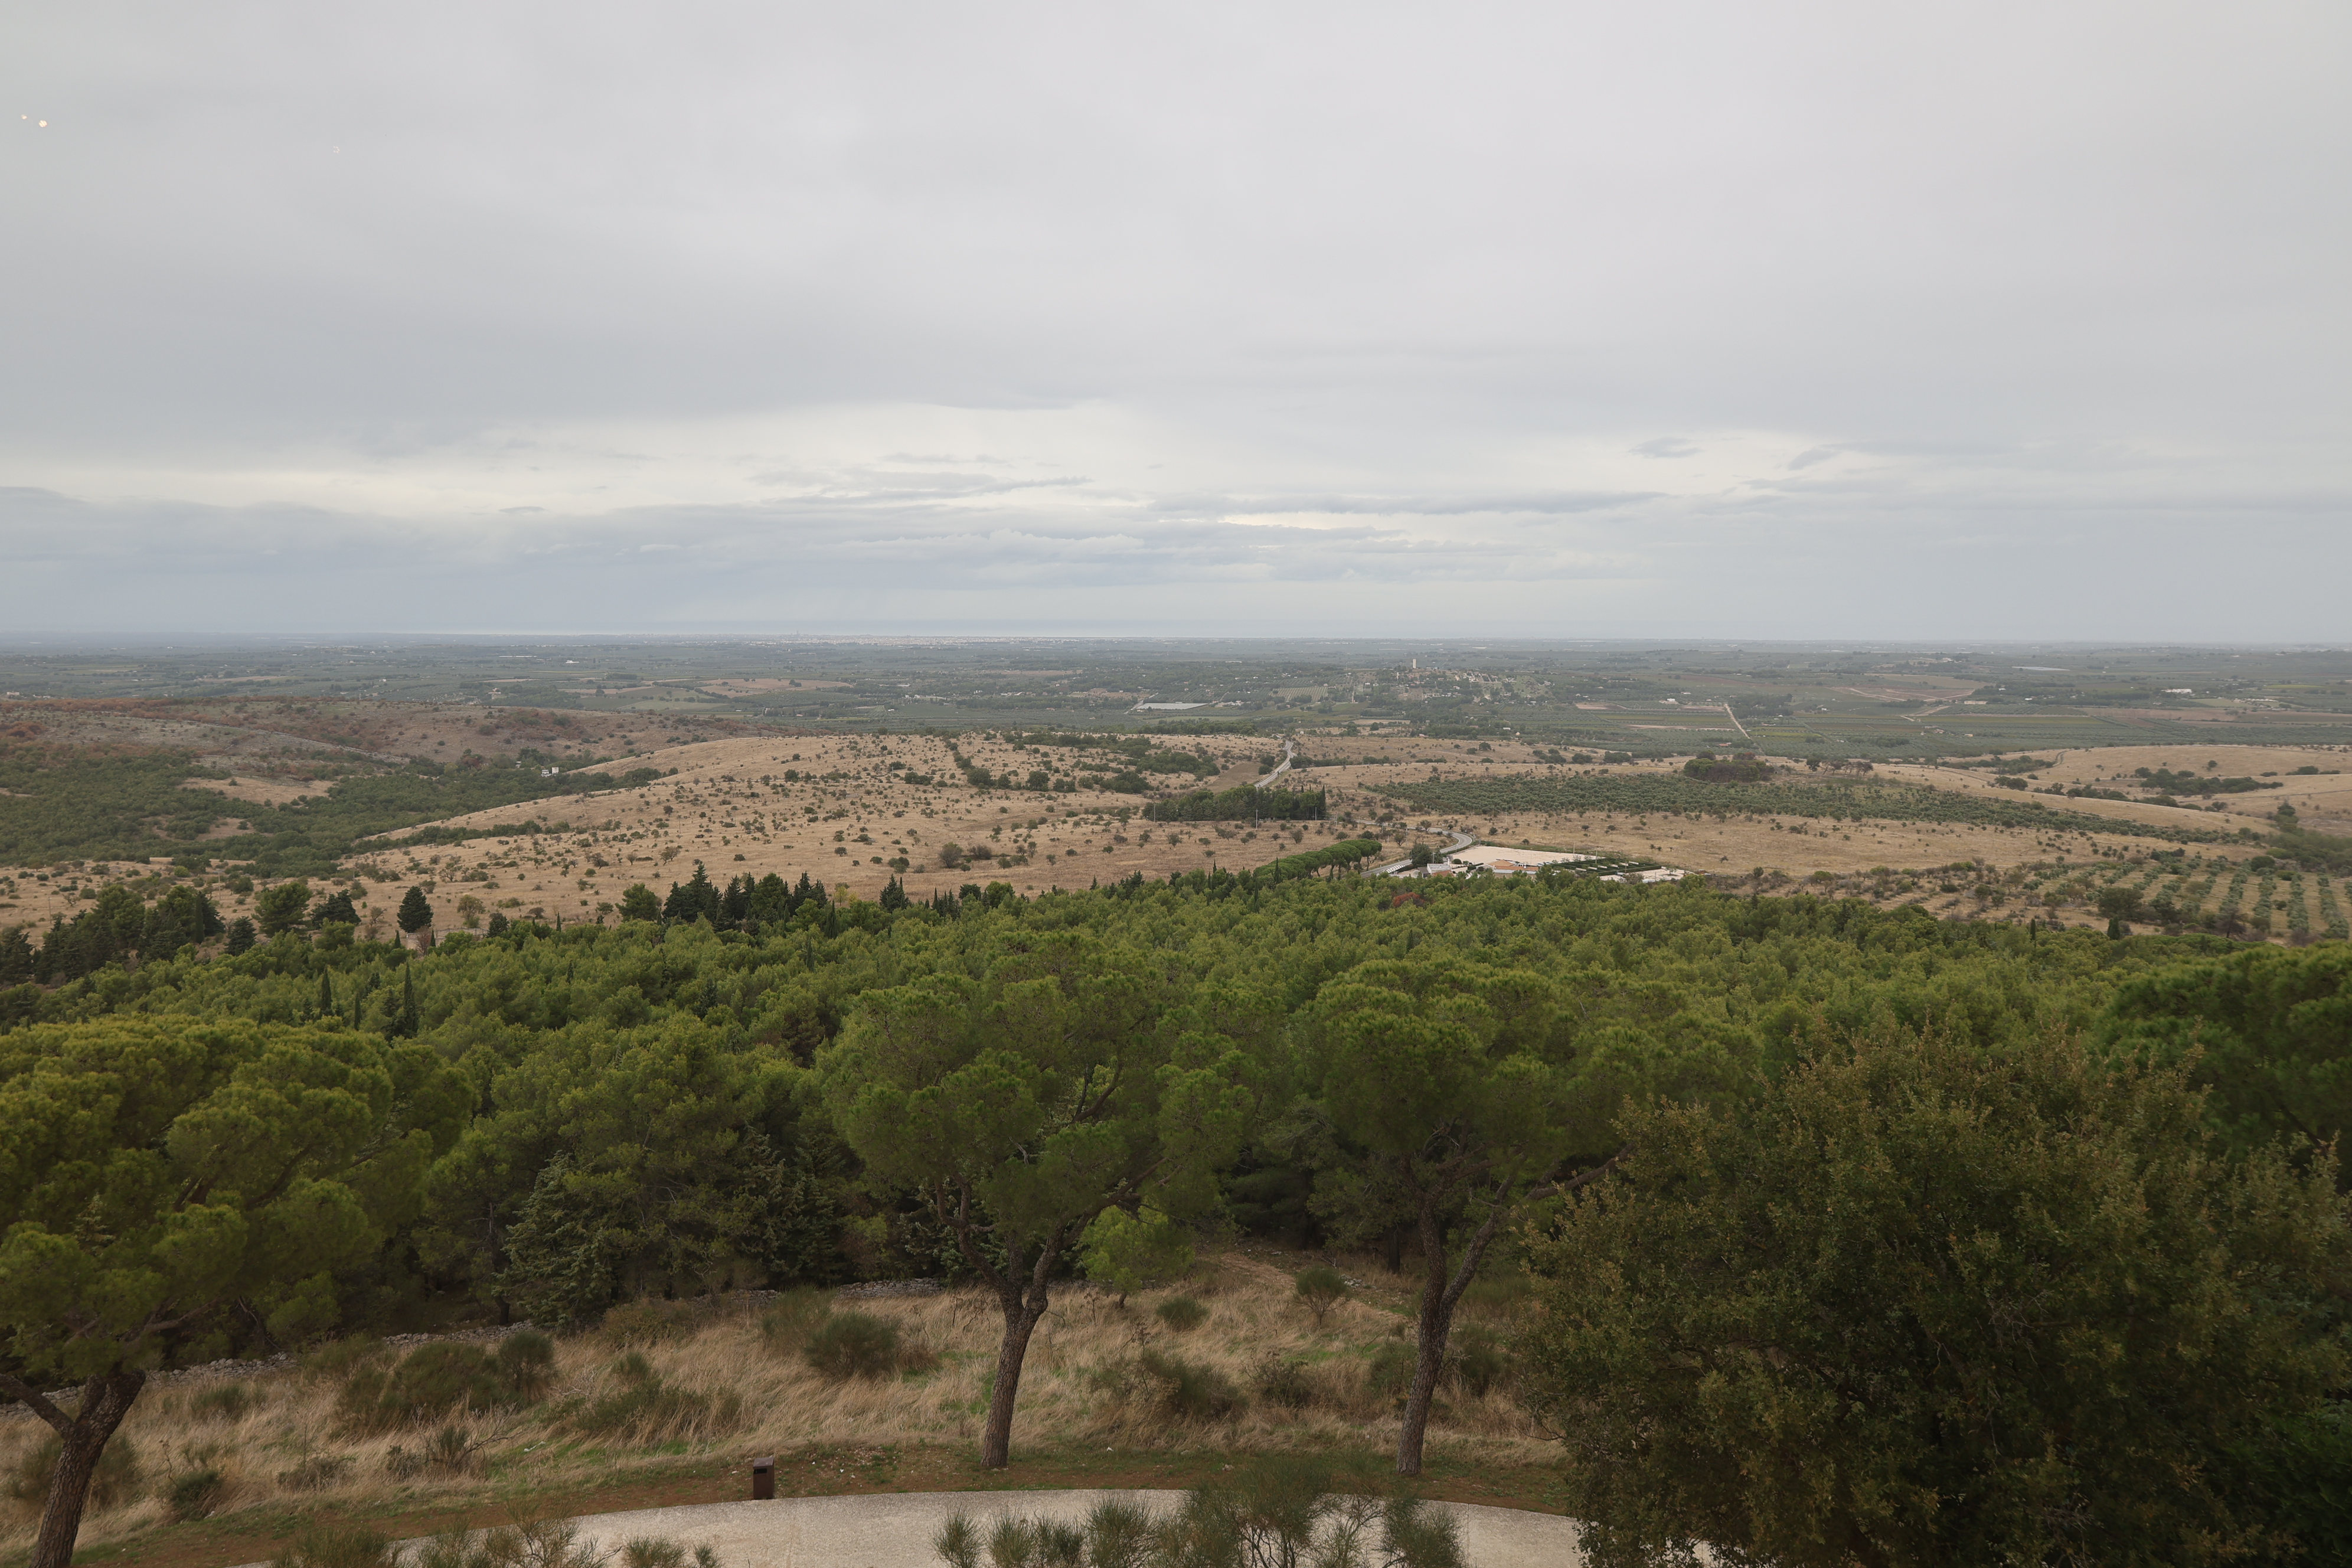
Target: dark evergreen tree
(735, 908)
(193, 913)
(240, 936)
(894, 896)
(695, 900)
(338, 907)
(641, 903)
(16, 956)
(415, 914)
(325, 993)
(498, 923)
(162, 937)
(771, 902)
(405, 1020)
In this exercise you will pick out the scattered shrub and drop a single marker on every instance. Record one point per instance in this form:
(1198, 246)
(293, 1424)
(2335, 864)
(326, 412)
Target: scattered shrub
(1478, 1363)
(1282, 1380)
(331, 1546)
(1280, 1511)
(223, 1402)
(793, 1317)
(542, 1543)
(317, 1472)
(113, 1483)
(195, 1495)
(658, 1552)
(647, 1322)
(1187, 1390)
(1321, 1289)
(338, 1357)
(650, 1410)
(1498, 1298)
(526, 1360)
(1388, 1370)
(450, 1449)
(859, 1344)
(435, 1380)
(1181, 1314)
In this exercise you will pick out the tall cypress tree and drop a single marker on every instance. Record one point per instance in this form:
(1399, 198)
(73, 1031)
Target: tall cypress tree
(415, 914)
(405, 1021)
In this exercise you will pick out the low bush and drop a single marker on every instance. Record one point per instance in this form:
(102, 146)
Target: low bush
(541, 1543)
(860, 1344)
(647, 1322)
(647, 1410)
(333, 1546)
(223, 1402)
(793, 1318)
(1187, 1390)
(452, 1451)
(116, 1481)
(195, 1495)
(1496, 1297)
(337, 1358)
(659, 1552)
(1320, 1288)
(317, 1472)
(1478, 1363)
(1281, 1511)
(435, 1380)
(1388, 1370)
(1284, 1381)
(1181, 1314)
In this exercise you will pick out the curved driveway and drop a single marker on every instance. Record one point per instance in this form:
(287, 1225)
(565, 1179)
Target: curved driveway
(894, 1530)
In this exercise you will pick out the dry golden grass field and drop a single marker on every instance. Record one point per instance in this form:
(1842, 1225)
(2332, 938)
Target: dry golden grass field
(851, 818)
(665, 1386)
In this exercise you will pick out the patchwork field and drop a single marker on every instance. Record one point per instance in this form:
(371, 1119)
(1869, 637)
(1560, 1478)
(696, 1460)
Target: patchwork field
(853, 812)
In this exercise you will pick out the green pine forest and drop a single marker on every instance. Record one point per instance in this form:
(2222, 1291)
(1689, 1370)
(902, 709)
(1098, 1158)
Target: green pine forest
(1857, 1236)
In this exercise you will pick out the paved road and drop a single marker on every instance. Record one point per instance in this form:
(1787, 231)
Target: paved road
(894, 1530)
(1282, 767)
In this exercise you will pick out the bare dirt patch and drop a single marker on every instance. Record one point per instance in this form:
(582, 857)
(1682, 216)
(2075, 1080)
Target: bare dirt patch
(263, 791)
(843, 822)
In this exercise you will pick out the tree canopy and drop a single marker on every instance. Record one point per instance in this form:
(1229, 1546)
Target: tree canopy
(1023, 1104)
(151, 1171)
(1915, 1302)
(979, 1087)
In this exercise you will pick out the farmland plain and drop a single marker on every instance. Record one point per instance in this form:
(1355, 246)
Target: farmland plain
(544, 779)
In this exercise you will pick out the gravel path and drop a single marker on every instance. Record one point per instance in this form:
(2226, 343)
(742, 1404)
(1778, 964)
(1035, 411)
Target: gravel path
(894, 1530)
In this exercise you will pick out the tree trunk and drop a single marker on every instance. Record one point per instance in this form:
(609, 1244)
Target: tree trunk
(1440, 1293)
(1429, 1354)
(1021, 1315)
(105, 1400)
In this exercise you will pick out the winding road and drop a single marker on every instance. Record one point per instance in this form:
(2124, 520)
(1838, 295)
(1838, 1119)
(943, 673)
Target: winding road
(1289, 750)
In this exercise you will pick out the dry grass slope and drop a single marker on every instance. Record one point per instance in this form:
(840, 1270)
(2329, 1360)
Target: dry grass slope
(1256, 1372)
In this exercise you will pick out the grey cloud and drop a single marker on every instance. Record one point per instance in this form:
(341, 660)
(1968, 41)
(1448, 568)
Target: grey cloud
(1412, 292)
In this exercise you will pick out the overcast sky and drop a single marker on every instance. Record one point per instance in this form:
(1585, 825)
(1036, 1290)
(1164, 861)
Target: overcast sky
(1982, 320)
